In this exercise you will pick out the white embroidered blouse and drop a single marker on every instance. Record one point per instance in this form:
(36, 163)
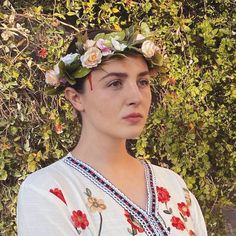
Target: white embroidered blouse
(70, 198)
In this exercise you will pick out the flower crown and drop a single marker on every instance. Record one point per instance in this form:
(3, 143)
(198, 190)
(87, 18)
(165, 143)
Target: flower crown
(91, 52)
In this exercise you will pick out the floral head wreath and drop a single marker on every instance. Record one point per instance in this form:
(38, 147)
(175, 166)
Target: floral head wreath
(91, 52)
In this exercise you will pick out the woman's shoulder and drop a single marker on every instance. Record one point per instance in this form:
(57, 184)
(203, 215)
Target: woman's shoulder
(50, 173)
(164, 174)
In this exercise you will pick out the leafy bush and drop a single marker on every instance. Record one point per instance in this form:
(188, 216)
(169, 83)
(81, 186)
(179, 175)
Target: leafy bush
(191, 128)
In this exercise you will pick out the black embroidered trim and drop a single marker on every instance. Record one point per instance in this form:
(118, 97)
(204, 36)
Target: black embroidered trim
(151, 224)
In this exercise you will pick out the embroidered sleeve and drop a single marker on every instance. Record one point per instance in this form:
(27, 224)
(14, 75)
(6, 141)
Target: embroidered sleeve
(44, 212)
(198, 220)
(199, 224)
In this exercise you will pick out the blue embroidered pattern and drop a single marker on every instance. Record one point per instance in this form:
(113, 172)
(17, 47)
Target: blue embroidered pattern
(150, 220)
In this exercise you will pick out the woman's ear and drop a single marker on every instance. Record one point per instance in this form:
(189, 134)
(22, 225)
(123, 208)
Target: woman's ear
(75, 98)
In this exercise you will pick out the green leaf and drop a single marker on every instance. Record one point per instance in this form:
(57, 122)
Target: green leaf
(80, 73)
(120, 36)
(135, 49)
(59, 15)
(43, 110)
(88, 192)
(167, 212)
(53, 91)
(71, 13)
(157, 59)
(99, 36)
(32, 166)
(62, 67)
(129, 32)
(3, 175)
(145, 31)
(69, 79)
(3, 123)
(136, 42)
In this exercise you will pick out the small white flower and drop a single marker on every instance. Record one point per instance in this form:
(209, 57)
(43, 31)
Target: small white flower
(52, 78)
(139, 37)
(22, 29)
(118, 46)
(69, 58)
(91, 58)
(148, 48)
(88, 44)
(6, 35)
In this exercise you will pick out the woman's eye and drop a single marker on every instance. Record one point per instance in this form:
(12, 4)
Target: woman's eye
(115, 84)
(144, 82)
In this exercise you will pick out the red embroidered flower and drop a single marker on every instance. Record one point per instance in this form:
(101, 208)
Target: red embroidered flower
(42, 52)
(79, 219)
(163, 194)
(134, 224)
(191, 233)
(58, 193)
(177, 223)
(183, 208)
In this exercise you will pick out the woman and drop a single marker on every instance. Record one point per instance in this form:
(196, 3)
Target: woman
(99, 188)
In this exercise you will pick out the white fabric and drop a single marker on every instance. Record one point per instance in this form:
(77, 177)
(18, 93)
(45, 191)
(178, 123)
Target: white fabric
(41, 212)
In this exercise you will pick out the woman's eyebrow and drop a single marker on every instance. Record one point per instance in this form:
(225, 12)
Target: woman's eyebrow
(144, 73)
(116, 74)
(123, 75)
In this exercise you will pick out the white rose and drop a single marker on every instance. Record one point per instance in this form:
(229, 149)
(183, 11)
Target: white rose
(88, 44)
(139, 37)
(148, 48)
(91, 58)
(52, 78)
(69, 58)
(118, 46)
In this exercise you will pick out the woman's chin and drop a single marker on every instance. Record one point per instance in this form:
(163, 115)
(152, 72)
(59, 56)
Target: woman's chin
(133, 135)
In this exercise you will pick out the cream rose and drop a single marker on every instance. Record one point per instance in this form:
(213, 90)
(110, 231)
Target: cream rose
(52, 78)
(91, 58)
(148, 48)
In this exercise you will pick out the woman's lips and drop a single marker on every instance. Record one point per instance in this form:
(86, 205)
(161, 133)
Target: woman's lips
(133, 117)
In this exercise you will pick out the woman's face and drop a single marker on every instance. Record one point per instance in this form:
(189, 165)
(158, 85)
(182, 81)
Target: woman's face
(119, 101)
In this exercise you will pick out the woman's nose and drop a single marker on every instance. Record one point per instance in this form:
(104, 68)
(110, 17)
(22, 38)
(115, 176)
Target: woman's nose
(134, 95)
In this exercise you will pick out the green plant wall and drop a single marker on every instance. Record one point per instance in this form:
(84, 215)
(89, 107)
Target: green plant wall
(192, 125)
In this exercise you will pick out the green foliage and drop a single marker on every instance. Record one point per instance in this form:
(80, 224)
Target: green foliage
(192, 124)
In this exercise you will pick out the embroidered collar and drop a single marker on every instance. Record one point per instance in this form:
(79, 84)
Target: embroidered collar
(150, 220)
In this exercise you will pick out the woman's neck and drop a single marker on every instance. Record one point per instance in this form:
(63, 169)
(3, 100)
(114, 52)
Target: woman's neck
(101, 149)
